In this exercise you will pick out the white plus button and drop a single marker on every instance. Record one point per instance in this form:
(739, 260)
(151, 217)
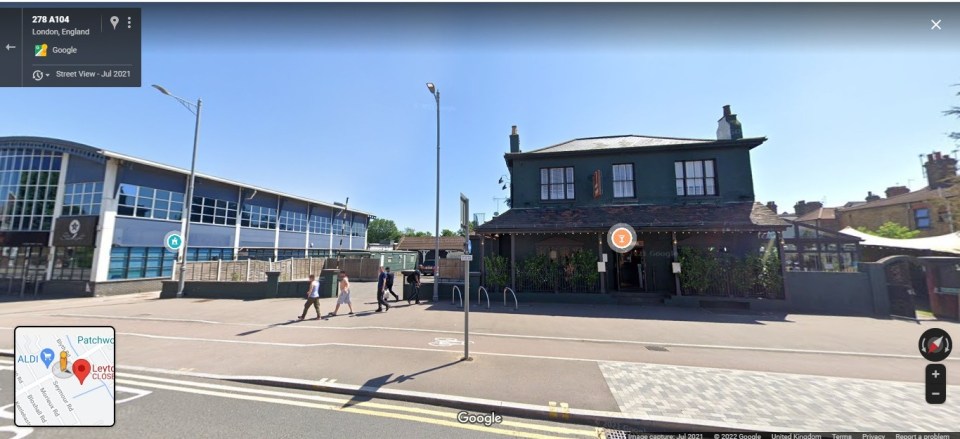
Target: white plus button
(936, 374)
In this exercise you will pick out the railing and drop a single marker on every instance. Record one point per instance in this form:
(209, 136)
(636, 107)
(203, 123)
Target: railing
(456, 295)
(558, 280)
(484, 291)
(516, 305)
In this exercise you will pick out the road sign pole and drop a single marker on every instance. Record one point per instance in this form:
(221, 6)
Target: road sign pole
(465, 225)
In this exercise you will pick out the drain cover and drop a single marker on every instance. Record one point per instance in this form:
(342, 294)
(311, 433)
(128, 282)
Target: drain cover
(656, 348)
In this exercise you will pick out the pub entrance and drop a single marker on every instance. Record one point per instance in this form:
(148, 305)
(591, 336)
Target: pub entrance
(631, 270)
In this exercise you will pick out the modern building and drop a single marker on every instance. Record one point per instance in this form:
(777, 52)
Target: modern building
(691, 202)
(929, 210)
(79, 218)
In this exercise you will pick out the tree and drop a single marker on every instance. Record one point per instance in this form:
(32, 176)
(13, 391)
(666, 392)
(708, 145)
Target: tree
(448, 232)
(382, 230)
(409, 231)
(473, 226)
(954, 111)
(891, 229)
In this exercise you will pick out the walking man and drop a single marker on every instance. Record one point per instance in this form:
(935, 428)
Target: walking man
(381, 283)
(389, 287)
(344, 296)
(313, 298)
(414, 279)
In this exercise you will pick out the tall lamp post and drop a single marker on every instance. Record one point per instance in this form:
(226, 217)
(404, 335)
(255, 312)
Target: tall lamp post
(436, 252)
(188, 203)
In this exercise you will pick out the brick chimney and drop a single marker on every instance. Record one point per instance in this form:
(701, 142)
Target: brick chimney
(728, 127)
(893, 191)
(872, 197)
(803, 207)
(514, 140)
(939, 169)
(772, 206)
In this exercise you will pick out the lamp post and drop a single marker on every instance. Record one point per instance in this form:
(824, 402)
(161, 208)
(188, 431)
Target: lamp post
(436, 252)
(188, 203)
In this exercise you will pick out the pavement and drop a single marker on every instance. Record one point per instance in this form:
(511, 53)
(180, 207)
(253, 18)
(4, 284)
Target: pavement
(636, 367)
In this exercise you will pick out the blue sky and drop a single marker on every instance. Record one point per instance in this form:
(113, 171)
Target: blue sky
(329, 101)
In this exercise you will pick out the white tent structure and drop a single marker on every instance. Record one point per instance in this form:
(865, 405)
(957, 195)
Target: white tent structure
(949, 243)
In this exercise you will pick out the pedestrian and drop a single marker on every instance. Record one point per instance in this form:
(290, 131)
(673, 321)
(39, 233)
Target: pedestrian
(389, 287)
(414, 280)
(313, 298)
(381, 283)
(344, 296)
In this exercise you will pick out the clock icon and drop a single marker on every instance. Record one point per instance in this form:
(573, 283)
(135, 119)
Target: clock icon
(37, 75)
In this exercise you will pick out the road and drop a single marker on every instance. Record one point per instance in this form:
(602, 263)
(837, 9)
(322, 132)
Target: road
(154, 406)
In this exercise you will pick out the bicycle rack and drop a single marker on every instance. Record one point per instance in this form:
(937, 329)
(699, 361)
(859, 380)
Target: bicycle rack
(484, 290)
(516, 305)
(455, 295)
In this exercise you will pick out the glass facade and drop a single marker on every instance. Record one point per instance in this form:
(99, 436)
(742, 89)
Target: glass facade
(140, 262)
(72, 263)
(28, 189)
(809, 248)
(209, 254)
(82, 198)
(293, 221)
(319, 224)
(144, 202)
(258, 217)
(212, 211)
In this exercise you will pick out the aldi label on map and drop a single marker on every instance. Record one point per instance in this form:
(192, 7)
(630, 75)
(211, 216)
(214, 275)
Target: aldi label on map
(64, 376)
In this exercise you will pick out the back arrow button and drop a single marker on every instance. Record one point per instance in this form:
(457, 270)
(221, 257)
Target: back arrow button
(11, 47)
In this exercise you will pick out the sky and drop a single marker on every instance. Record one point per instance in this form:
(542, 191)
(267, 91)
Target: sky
(329, 101)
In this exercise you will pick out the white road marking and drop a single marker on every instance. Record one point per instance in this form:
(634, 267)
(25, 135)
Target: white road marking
(18, 432)
(531, 337)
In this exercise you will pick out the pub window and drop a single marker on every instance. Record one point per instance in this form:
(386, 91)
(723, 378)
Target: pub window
(623, 180)
(696, 177)
(556, 183)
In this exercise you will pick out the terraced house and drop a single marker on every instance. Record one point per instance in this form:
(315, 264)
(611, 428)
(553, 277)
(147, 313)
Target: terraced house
(691, 202)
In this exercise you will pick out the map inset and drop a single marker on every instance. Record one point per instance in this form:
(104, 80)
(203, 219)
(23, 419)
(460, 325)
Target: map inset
(64, 376)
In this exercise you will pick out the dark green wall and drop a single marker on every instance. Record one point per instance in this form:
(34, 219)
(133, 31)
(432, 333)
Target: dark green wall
(653, 175)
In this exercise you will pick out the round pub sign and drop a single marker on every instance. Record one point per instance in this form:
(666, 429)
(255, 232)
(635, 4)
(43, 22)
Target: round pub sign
(621, 238)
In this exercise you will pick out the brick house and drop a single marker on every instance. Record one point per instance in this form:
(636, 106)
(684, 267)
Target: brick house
(925, 209)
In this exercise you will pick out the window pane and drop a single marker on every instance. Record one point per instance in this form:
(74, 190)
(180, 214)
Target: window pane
(570, 191)
(711, 189)
(556, 175)
(678, 169)
(544, 192)
(569, 175)
(543, 176)
(708, 166)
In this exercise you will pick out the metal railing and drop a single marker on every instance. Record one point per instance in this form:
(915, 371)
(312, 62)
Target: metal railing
(516, 304)
(456, 295)
(484, 291)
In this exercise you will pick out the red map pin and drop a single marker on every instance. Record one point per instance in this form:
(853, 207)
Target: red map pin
(81, 368)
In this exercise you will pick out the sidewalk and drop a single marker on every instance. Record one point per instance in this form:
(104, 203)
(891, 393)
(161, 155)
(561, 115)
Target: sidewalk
(608, 364)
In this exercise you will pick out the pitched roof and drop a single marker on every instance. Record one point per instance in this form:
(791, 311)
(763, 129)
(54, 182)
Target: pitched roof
(606, 143)
(730, 216)
(823, 213)
(910, 197)
(430, 242)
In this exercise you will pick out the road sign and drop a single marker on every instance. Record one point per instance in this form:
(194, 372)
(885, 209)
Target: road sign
(466, 258)
(173, 241)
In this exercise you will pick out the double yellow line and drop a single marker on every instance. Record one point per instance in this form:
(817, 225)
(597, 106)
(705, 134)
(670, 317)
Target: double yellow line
(394, 411)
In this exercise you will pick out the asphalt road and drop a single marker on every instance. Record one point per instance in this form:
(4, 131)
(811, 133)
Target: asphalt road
(160, 406)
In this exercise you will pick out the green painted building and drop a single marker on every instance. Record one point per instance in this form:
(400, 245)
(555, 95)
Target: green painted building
(691, 202)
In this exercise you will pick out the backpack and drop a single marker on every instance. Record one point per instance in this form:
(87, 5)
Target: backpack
(412, 278)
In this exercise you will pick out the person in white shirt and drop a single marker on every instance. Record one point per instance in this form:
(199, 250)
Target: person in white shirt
(313, 298)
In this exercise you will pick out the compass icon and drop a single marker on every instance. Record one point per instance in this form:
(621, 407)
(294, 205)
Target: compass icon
(935, 344)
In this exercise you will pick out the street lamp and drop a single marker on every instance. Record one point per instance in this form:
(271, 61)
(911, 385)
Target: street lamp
(188, 203)
(436, 252)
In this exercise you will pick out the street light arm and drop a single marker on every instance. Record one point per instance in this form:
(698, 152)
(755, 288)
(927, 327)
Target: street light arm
(190, 106)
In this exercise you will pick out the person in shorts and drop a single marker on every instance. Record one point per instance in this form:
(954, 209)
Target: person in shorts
(313, 298)
(344, 295)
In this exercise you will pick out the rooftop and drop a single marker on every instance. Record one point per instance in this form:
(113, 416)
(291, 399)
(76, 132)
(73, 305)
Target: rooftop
(430, 243)
(910, 197)
(631, 141)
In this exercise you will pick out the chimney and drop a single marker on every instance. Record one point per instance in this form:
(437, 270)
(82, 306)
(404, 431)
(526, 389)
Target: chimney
(772, 206)
(728, 127)
(514, 140)
(940, 170)
(872, 197)
(893, 191)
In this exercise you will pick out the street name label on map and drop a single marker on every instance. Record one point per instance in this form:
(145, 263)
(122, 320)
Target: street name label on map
(64, 376)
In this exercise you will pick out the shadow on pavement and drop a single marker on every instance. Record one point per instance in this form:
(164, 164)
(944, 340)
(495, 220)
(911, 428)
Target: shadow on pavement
(378, 382)
(630, 312)
(251, 332)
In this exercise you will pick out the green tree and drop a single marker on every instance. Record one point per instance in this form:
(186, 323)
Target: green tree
(473, 226)
(893, 230)
(383, 230)
(955, 112)
(448, 232)
(409, 231)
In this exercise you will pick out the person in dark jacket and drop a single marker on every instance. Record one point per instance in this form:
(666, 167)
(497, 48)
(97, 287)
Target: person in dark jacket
(389, 287)
(381, 283)
(414, 280)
